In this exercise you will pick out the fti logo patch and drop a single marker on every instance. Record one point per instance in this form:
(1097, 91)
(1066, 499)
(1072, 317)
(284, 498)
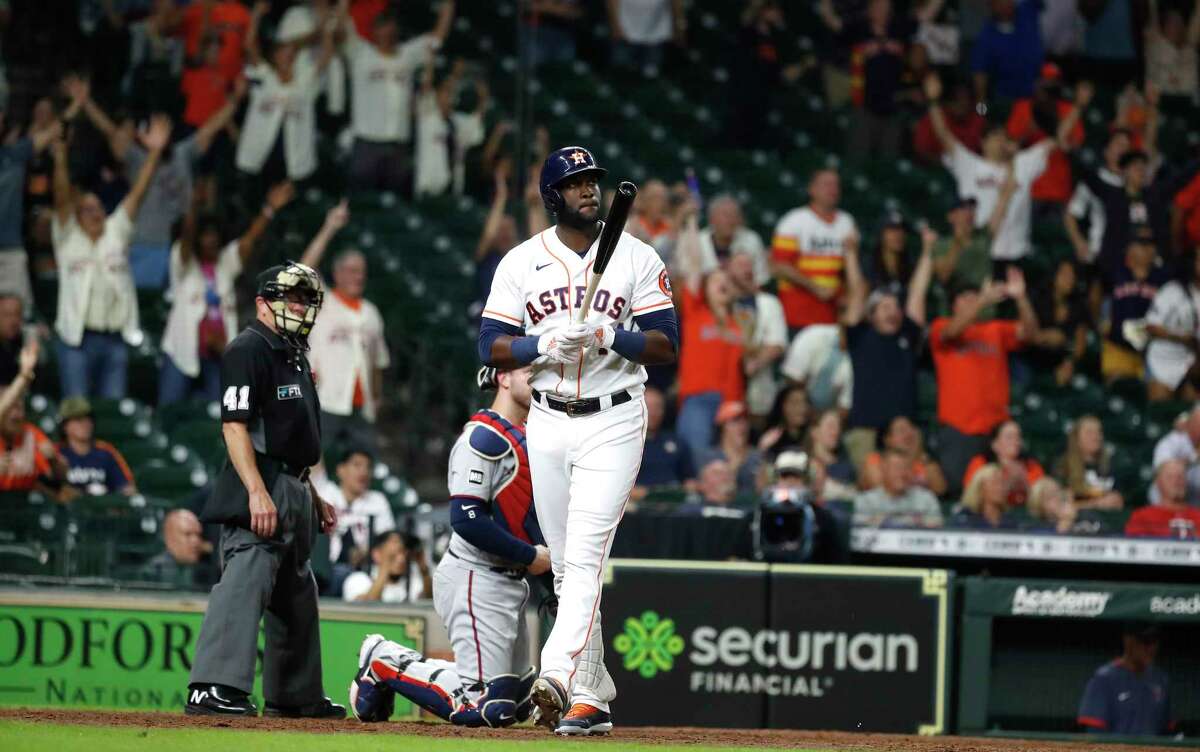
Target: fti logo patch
(649, 644)
(289, 392)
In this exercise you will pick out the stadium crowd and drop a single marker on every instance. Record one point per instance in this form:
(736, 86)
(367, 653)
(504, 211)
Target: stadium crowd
(156, 153)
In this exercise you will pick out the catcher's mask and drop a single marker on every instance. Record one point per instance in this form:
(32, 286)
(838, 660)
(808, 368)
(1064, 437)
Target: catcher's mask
(290, 283)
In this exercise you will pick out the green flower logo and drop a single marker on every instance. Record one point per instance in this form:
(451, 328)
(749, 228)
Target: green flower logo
(649, 644)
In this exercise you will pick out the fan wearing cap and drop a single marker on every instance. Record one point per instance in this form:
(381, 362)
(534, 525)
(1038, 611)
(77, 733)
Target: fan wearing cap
(884, 341)
(1128, 696)
(1134, 285)
(965, 258)
(94, 467)
(734, 446)
(270, 515)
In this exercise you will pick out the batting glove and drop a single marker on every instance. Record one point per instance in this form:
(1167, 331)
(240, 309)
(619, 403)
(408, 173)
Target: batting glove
(603, 337)
(556, 350)
(576, 335)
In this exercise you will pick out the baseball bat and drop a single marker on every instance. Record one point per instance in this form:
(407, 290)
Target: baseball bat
(614, 224)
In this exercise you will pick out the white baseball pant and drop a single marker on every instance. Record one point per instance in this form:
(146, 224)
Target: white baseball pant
(484, 614)
(583, 471)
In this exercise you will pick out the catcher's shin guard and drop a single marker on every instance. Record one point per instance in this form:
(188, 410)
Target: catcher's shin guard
(496, 707)
(431, 684)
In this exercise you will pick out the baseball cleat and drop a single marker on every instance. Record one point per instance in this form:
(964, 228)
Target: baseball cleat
(584, 720)
(377, 701)
(551, 699)
(217, 699)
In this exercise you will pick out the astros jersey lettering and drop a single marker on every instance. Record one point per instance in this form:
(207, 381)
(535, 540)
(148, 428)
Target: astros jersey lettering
(541, 282)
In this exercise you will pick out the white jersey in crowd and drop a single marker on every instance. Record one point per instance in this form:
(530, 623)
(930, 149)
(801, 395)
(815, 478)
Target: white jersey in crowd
(276, 105)
(347, 347)
(365, 517)
(381, 86)
(541, 283)
(95, 285)
(438, 168)
(189, 304)
(1176, 308)
(982, 180)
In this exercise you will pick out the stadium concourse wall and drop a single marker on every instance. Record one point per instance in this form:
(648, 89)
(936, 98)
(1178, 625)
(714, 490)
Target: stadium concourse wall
(727, 644)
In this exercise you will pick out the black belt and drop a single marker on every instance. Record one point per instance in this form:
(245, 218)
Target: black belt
(512, 573)
(585, 406)
(263, 461)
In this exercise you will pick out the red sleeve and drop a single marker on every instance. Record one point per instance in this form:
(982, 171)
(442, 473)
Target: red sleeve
(1090, 722)
(925, 143)
(189, 29)
(40, 463)
(1189, 197)
(971, 135)
(1138, 525)
(1005, 333)
(1033, 471)
(1019, 121)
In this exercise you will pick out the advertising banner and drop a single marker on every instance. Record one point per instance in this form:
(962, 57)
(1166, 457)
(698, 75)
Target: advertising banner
(865, 648)
(1081, 600)
(135, 653)
(665, 625)
(752, 645)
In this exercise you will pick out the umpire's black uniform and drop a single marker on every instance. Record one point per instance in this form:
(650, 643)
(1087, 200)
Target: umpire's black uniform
(267, 384)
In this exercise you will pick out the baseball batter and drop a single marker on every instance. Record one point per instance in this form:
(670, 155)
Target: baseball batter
(587, 420)
(479, 589)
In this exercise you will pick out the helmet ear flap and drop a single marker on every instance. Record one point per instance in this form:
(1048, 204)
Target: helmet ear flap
(552, 199)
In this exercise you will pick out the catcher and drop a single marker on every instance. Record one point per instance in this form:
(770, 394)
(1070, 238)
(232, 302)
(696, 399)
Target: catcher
(479, 588)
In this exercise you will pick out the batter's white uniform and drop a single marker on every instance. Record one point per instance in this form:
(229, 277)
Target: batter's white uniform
(583, 467)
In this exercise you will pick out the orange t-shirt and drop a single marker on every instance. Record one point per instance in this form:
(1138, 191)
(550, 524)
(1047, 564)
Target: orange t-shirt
(1018, 488)
(206, 91)
(1187, 202)
(21, 464)
(1054, 184)
(710, 355)
(228, 21)
(972, 374)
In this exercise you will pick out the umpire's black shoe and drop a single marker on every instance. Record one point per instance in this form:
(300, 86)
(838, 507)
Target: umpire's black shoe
(326, 708)
(217, 699)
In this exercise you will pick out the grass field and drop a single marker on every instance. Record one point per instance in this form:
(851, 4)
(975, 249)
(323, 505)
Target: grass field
(21, 736)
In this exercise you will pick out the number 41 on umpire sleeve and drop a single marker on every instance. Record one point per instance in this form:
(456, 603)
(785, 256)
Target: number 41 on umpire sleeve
(236, 398)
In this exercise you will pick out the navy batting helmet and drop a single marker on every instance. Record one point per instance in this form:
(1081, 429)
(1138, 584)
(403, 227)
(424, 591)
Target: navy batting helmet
(560, 165)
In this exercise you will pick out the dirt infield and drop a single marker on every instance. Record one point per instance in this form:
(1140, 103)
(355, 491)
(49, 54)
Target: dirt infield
(639, 735)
